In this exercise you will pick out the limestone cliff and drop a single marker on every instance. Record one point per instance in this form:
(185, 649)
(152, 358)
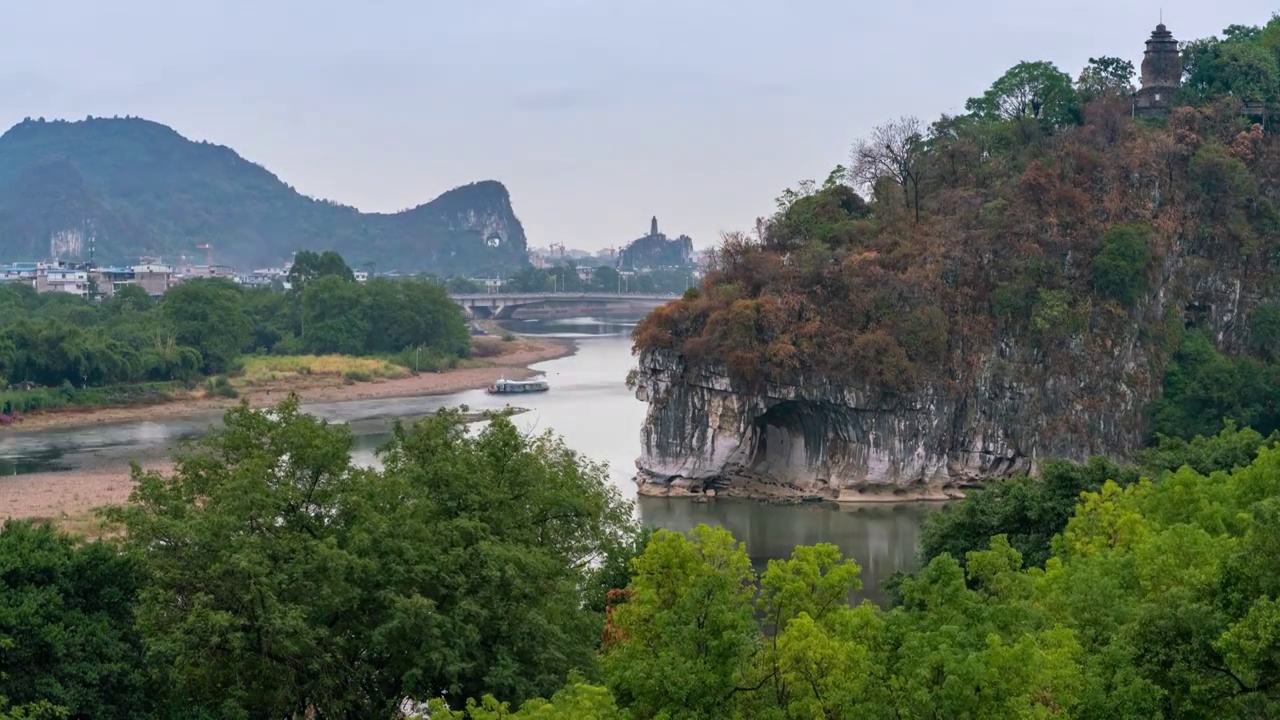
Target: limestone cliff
(852, 353)
(845, 443)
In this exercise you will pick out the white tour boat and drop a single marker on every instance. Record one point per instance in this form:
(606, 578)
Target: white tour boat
(513, 387)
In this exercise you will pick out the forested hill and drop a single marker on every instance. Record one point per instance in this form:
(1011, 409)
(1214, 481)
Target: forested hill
(139, 188)
(1046, 248)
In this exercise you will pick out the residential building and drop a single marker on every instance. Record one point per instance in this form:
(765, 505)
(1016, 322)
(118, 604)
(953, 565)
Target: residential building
(109, 280)
(155, 279)
(70, 280)
(28, 273)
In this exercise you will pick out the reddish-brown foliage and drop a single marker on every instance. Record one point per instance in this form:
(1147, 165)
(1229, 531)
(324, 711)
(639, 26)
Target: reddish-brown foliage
(612, 599)
(1012, 219)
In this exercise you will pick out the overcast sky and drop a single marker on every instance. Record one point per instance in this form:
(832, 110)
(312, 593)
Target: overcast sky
(596, 114)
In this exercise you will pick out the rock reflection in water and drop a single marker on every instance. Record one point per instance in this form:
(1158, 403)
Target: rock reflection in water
(881, 537)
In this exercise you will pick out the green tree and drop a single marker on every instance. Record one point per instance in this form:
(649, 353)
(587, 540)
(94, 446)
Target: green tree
(506, 528)
(1120, 267)
(687, 629)
(606, 279)
(333, 316)
(209, 316)
(66, 626)
(1264, 331)
(1202, 387)
(1027, 511)
(463, 286)
(1034, 90)
(308, 266)
(282, 578)
(578, 700)
(255, 603)
(274, 318)
(530, 279)
(1240, 65)
(435, 321)
(131, 298)
(1105, 76)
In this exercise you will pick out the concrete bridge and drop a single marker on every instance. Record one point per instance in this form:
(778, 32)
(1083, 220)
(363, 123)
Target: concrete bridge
(502, 305)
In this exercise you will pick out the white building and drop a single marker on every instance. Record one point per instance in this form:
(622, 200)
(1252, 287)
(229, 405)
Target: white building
(27, 273)
(67, 280)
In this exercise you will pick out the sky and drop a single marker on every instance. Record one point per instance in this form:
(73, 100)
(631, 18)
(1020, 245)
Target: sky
(596, 114)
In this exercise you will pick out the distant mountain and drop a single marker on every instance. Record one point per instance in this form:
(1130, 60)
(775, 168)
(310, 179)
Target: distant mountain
(135, 187)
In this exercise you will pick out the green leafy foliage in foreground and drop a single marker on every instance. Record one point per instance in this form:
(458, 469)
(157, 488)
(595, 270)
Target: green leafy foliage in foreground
(205, 326)
(268, 577)
(1029, 512)
(1159, 600)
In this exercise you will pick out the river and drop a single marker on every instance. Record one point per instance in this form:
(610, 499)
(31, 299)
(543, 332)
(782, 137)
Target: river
(590, 406)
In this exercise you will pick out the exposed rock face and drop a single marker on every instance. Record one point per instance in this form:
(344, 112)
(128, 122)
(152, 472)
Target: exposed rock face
(999, 415)
(856, 444)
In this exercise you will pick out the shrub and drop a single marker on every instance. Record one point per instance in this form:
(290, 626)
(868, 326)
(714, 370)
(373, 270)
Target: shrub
(1053, 318)
(220, 387)
(1120, 267)
(508, 337)
(355, 376)
(480, 350)
(1264, 331)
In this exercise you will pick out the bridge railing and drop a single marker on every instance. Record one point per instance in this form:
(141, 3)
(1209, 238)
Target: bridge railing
(531, 297)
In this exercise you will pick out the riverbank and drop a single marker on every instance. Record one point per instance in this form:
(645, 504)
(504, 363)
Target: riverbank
(744, 488)
(508, 359)
(70, 498)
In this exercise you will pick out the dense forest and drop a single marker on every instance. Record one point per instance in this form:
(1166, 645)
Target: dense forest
(139, 188)
(1046, 229)
(204, 327)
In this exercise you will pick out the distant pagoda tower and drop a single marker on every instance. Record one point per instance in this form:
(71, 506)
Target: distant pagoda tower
(653, 226)
(1161, 74)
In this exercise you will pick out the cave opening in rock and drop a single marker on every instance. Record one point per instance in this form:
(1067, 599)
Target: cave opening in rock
(787, 436)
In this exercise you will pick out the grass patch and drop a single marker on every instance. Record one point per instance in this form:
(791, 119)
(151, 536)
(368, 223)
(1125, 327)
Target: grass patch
(24, 402)
(262, 369)
(86, 526)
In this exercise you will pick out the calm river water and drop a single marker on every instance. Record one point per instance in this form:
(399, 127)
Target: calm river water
(590, 406)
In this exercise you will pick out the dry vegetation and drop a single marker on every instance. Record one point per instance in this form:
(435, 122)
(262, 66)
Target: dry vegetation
(1050, 237)
(264, 369)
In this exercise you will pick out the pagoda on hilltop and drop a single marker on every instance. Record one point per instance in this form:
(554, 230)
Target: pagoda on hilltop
(1161, 74)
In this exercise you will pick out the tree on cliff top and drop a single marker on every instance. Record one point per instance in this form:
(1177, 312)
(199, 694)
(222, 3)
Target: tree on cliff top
(1105, 76)
(1033, 90)
(894, 150)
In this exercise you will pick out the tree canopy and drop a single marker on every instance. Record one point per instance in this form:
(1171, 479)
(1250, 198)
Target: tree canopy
(205, 326)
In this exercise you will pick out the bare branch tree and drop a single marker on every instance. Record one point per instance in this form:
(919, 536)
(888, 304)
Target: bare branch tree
(893, 150)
